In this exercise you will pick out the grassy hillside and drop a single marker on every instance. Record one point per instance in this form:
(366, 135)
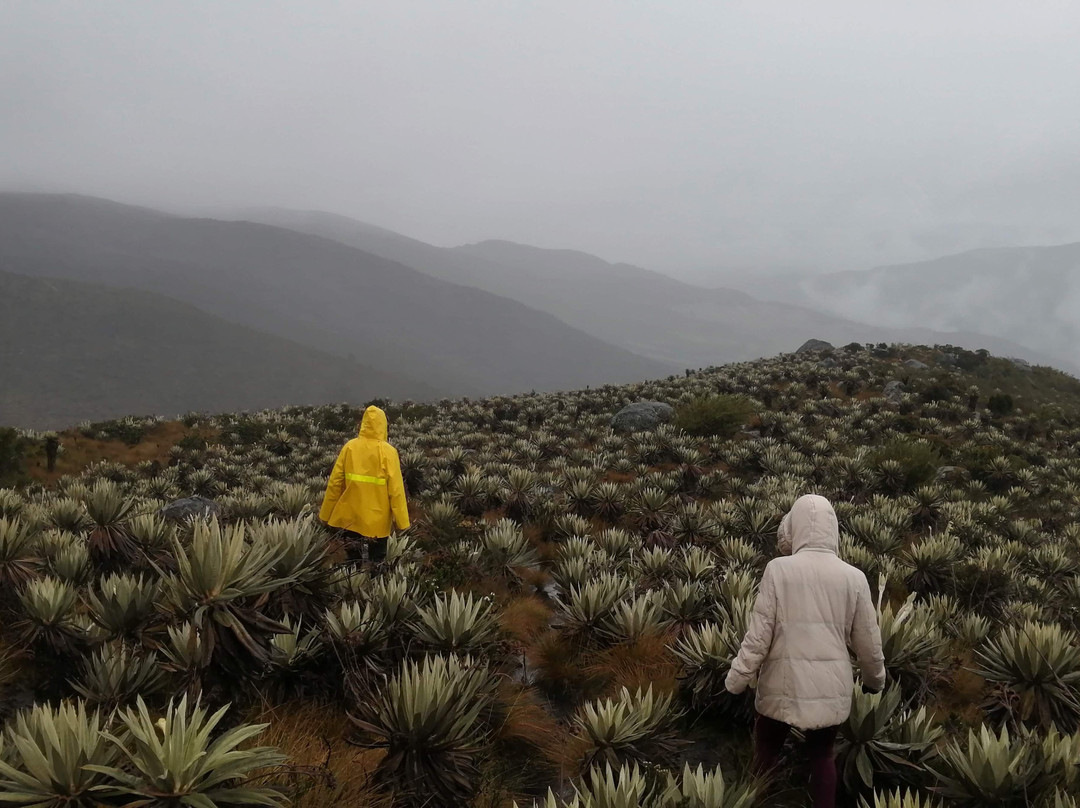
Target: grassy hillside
(570, 598)
(337, 299)
(79, 351)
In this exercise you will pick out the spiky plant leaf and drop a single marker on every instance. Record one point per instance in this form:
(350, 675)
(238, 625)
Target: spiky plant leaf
(52, 752)
(115, 675)
(122, 604)
(698, 788)
(457, 623)
(178, 760)
(427, 717)
(1038, 666)
(634, 727)
(19, 560)
(1001, 770)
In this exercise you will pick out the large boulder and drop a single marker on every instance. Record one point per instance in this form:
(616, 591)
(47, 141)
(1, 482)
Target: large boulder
(642, 416)
(951, 474)
(188, 508)
(915, 364)
(814, 345)
(894, 391)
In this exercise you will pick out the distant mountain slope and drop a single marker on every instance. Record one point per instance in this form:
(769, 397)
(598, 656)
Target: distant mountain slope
(459, 340)
(75, 351)
(1027, 294)
(643, 311)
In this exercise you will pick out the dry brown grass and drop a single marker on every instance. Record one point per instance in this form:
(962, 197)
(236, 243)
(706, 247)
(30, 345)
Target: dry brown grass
(323, 770)
(647, 662)
(547, 550)
(533, 578)
(80, 452)
(557, 662)
(525, 721)
(530, 748)
(963, 695)
(524, 618)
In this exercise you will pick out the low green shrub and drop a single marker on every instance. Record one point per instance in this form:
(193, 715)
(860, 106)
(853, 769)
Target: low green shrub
(918, 461)
(1001, 404)
(12, 451)
(721, 415)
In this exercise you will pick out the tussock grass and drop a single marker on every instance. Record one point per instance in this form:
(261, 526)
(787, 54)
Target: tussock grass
(323, 770)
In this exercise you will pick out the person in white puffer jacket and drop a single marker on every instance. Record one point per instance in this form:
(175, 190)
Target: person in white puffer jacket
(810, 608)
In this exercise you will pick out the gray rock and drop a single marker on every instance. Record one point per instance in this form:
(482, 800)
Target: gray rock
(1021, 364)
(954, 474)
(894, 391)
(915, 364)
(182, 510)
(642, 416)
(522, 673)
(812, 345)
(829, 362)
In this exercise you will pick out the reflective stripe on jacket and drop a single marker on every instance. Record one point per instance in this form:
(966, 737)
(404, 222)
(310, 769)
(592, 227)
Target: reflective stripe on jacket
(365, 493)
(810, 607)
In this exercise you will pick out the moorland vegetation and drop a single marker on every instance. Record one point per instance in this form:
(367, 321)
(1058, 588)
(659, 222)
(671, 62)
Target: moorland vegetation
(557, 625)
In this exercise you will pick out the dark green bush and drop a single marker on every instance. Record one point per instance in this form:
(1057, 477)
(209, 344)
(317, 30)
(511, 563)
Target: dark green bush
(982, 463)
(965, 359)
(721, 415)
(938, 390)
(12, 450)
(343, 418)
(130, 430)
(919, 461)
(249, 431)
(1000, 404)
(192, 442)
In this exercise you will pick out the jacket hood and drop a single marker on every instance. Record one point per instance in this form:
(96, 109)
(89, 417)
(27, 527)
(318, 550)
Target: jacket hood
(783, 535)
(813, 525)
(373, 425)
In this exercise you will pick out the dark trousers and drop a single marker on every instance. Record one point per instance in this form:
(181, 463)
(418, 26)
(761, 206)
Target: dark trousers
(354, 547)
(769, 737)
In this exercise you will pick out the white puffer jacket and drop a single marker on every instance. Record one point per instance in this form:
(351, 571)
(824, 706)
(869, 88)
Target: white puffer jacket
(810, 607)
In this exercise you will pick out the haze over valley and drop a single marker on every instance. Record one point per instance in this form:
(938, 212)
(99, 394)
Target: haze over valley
(469, 199)
(392, 316)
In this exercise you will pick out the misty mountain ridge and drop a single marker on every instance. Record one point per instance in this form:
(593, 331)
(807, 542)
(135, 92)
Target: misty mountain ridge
(455, 339)
(79, 351)
(321, 307)
(644, 311)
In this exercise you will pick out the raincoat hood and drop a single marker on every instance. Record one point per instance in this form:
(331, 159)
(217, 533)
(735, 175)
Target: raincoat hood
(373, 425)
(366, 493)
(813, 526)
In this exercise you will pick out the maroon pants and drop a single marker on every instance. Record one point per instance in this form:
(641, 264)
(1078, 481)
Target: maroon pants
(769, 737)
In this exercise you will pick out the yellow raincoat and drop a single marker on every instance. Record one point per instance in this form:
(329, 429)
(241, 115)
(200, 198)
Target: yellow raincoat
(366, 494)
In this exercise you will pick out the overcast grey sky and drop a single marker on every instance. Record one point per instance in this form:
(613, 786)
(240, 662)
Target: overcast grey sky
(670, 134)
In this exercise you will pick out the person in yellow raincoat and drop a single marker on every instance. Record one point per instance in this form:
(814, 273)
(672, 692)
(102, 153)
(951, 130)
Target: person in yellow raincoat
(365, 496)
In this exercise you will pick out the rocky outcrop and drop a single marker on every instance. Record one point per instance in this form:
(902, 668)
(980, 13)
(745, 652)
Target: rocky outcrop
(183, 510)
(894, 391)
(814, 346)
(642, 416)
